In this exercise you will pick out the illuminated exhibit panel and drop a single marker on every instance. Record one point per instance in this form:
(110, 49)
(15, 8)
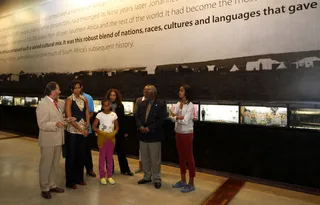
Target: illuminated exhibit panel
(305, 118)
(128, 107)
(31, 101)
(18, 101)
(7, 100)
(260, 115)
(97, 105)
(219, 113)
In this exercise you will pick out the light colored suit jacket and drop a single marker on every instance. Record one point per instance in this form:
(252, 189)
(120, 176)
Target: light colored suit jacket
(47, 116)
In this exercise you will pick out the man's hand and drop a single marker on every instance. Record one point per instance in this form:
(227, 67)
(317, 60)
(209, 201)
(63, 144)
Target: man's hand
(60, 124)
(147, 129)
(142, 129)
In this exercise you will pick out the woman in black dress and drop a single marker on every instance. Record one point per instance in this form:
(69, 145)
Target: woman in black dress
(114, 96)
(77, 107)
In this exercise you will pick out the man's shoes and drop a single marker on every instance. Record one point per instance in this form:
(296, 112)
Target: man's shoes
(128, 173)
(143, 181)
(57, 190)
(91, 173)
(157, 185)
(46, 194)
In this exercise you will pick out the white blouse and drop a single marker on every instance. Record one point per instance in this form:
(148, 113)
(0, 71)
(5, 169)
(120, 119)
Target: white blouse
(186, 125)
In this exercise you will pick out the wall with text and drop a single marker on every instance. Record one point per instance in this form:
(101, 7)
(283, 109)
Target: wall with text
(225, 49)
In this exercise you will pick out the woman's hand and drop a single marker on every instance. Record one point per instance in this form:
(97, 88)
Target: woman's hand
(84, 133)
(180, 117)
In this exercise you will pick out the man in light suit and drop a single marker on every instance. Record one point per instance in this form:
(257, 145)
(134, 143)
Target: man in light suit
(51, 137)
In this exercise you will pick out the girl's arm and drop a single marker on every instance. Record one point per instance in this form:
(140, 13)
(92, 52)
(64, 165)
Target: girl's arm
(95, 125)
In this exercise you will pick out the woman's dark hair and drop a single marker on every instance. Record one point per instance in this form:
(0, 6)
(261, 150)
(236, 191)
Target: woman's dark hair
(74, 83)
(118, 95)
(51, 86)
(187, 91)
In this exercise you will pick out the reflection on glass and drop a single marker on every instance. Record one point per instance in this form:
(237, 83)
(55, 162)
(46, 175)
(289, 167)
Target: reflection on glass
(172, 106)
(7, 100)
(97, 105)
(268, 116)
(220, 113)
(0, 100)
(31, 101)
(128, 107)
(19, 101)
(305, 118)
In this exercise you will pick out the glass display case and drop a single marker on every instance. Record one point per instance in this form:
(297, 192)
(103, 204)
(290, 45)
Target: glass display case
(31, 101)
(171, 106)
(97, 105)
(262, 115)
(18, 101)
(219, 113)
(7, 100)
(305, 118)
(128, 107)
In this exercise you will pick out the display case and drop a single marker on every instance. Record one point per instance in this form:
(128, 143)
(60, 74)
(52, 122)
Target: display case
(18, 101)
(31, 101)
(171, 106)
(264, 115)
(304, 116)
(128, 107)
(219, 113)
(7, 100)
(97, 105)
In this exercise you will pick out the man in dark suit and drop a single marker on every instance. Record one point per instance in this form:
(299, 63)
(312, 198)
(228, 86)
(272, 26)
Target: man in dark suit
(149, 120)
(135, 112)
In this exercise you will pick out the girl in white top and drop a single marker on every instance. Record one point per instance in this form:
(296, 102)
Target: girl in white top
(183, 118)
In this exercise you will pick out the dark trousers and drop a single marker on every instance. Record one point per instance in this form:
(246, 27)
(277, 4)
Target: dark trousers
(122, 154)
(88, 156)
(121, 150)
(75, 152)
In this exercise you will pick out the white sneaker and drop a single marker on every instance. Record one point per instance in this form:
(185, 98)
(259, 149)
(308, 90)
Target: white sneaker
(103, 181)
(111, 181)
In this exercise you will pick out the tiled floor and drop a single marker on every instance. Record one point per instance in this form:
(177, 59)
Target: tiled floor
(19, 159)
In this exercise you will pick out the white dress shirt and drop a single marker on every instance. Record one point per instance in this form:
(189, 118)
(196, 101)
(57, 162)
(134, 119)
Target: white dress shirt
(184, 126)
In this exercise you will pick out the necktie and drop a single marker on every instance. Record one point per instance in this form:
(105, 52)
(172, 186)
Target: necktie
(56, 104)
(147, 111)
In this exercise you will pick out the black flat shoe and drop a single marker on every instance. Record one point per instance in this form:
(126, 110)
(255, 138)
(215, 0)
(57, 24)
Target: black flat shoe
(143, 181)
(91, 173)
(128, 173)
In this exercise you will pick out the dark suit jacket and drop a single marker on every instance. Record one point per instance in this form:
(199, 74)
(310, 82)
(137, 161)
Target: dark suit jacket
(157, 115)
